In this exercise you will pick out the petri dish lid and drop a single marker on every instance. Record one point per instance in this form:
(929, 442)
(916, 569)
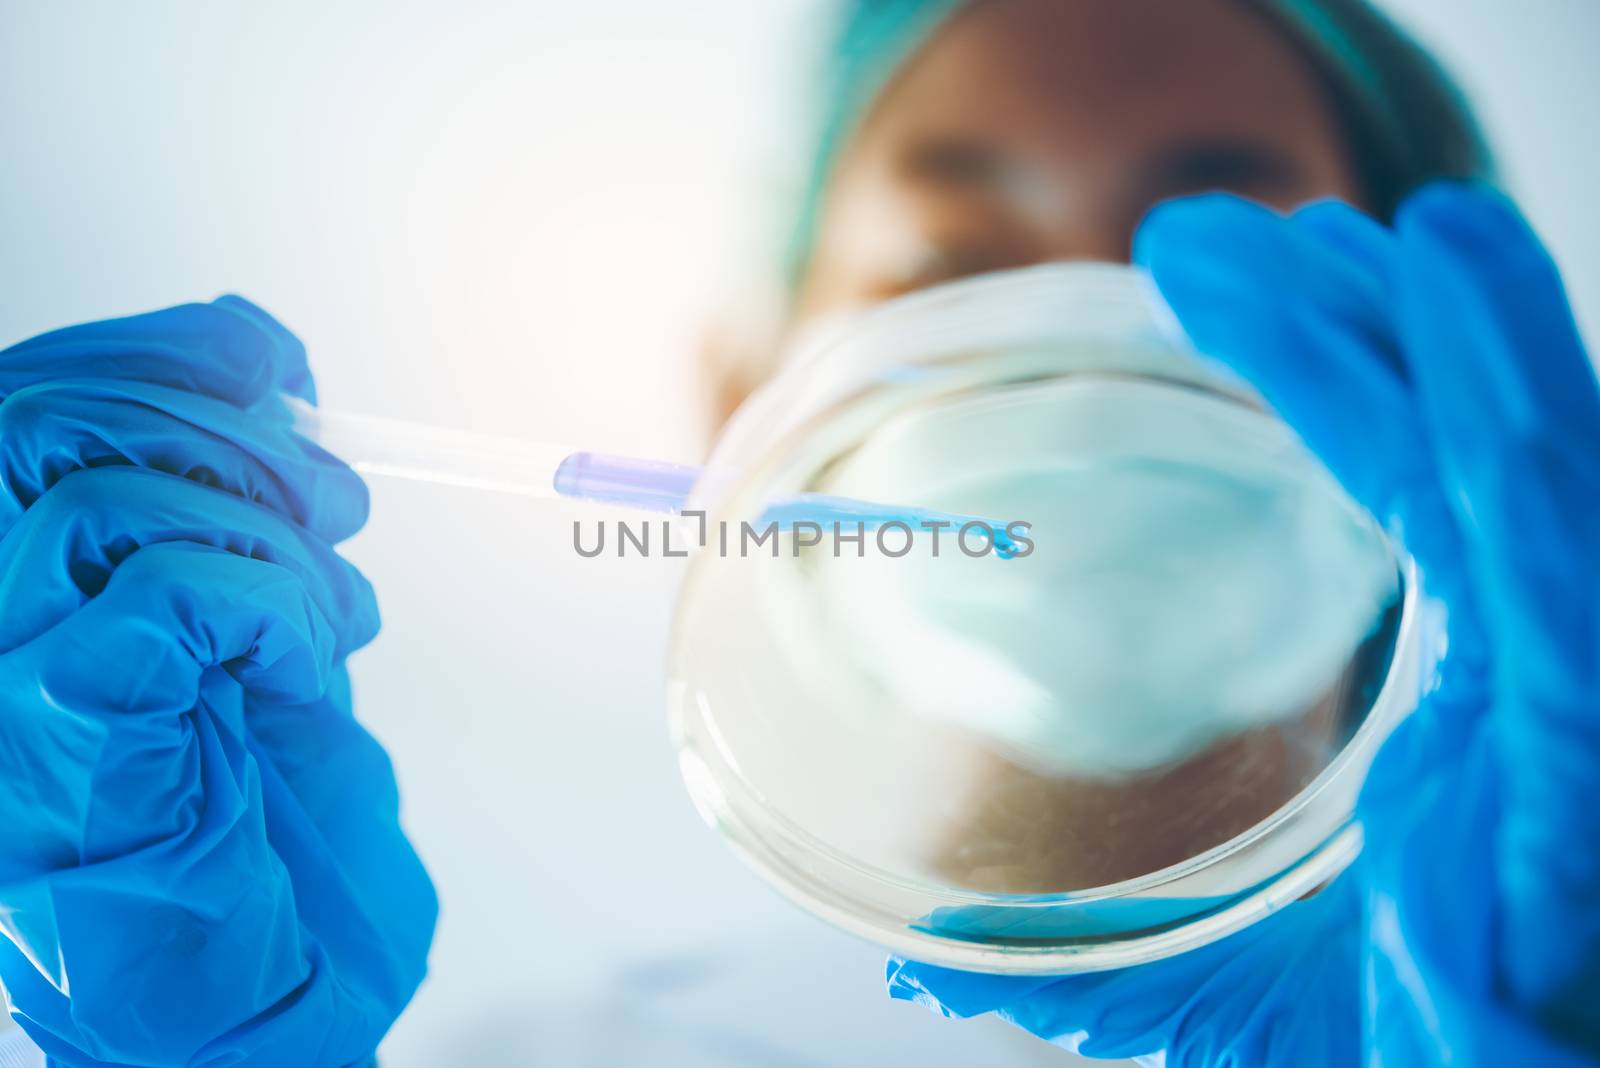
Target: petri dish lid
(1140, 733)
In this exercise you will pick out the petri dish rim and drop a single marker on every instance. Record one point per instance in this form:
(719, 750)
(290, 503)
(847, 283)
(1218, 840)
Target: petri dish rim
(768, 840)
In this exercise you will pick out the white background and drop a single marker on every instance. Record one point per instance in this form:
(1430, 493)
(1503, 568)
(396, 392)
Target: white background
(518, 217)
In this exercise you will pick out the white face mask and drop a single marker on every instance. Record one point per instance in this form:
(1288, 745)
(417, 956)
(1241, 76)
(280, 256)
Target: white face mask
(1195, 573)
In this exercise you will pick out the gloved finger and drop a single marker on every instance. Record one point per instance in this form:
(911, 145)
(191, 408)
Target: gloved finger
(1513, 407)
(1288, 272)
(1311, 328)
(1353, 234)
(1514, 321)
(1304, 325)
(161, 852)
(52, 428)
(228, 349)
(1234, 998)
(64, 549)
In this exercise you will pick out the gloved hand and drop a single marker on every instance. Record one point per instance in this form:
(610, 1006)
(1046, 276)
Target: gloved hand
(1436, 369)
(202, 862)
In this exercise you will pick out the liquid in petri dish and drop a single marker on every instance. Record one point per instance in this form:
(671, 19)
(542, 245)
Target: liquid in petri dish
(1190, 641)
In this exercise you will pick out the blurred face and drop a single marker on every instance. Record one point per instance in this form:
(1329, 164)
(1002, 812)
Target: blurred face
(1036, 130)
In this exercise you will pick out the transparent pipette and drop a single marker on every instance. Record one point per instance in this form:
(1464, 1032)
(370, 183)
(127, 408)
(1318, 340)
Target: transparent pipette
(400, 449)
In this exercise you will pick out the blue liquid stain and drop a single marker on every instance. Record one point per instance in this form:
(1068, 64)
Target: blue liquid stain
(824, 511)
(657, 486)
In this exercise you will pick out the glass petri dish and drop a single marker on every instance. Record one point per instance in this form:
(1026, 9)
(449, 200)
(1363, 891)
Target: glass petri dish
(1135, 729)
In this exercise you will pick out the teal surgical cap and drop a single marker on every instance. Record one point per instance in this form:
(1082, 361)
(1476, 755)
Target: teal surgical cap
(1406, 120)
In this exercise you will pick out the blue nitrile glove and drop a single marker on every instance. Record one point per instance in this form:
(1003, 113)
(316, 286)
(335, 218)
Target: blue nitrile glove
(201, 861)
(1436, 369)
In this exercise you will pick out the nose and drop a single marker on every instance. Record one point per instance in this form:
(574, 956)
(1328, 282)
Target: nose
(1082, 213)
(1103, 234)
